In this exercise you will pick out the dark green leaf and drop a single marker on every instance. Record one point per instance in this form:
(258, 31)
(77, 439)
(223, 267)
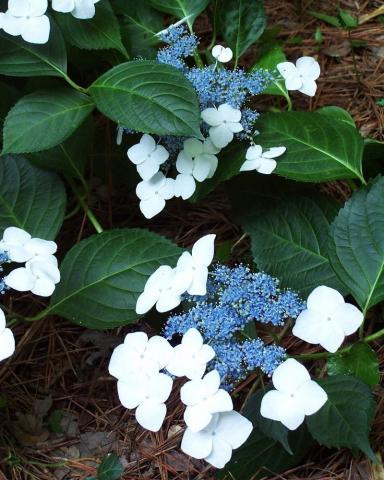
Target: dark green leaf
(102, 276)
(100, 32)
(289, 231)
(338, 114)
(373, 157)
(357, 246)
(9, 96)
(187, 9)
(360, 361)
(110, 468)
(241, 23)
(30, 198)
(44, 119)
(21, 59)
(348, 20)
(332, 20)
(317, 149)
(148, 97)
(345, 420)
(69, 157)
(269, 60)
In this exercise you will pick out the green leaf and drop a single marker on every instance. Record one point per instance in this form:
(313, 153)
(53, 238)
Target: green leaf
(148, 97)
(21, 59)
(357, 245)
(100, 32)
(338, 114)
(139, 25)
(345, 420)
(317, 150)
(349, 20)
(110, 468)
(241, 23)
(44, 119)
(330, 19)
(183, 9)
(9, 96)
(102, 276)
(70, 157)
(269, 60)
(30, 198)
(360, 361)
(289, 231)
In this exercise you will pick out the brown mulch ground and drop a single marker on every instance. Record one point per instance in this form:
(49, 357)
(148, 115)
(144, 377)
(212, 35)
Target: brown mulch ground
(60, 370)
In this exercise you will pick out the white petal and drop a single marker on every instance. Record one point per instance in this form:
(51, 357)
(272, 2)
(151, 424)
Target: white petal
(152, 206)
(191, 392)
(234, 428)
(229, 113)
(274, 152)
(36, 30)
(211, 383)
(235, 127)
(43, 287)
(19, 8)
(194, 370)
(63, 6)
(84, 9)
(254, 152)
(199, 281)
(325, 300)
(193, 147)
(7, 344)
(18, 254)
(348, 317)
(308, 87)
(266, 166)
(147, 169)
(202, 167)
(221, 136)
(197, 417)
(294, 83)
(167, 191)
(216, 51)
(207, 353)
(167, 302)
(38, 7)
(289, 376)
(185, 186)
(213, 163)
(184, 163)
(225, 55)
(204, 249)
(209, 147)
(20, 279)
(192, 339)
(178, 364)
(159, 350)
(287, 69)
(221, 453)
(312, 397)
(137, 341)
(185, 263)
(138, 153)
(196, 444)
(16, 236)
(221, 401)
(331, 337)
(145, 302)
(3, 322)
(160, 154)
(308, 326)
(130, 392)
(270, 404)
(211, 116)
(308, 67)
(291, 413)
(44, 268)
(160, 387)
(250, 165)
(38, 246)
(13, 25)
(150, 415)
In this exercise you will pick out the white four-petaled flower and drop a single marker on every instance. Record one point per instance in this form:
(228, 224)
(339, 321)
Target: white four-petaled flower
(296, 395)
(190, 358)
(224, 122)
(204, 398)
(261, 161)
(27, 18)
(21, 247)
(163, 289)
(153, 193)
(81, 9)
(147, 156)
(195, 265)
(197, 161)
(7, 340)
(226, 432)
(327, 319)
(302, 76)
(222, 54)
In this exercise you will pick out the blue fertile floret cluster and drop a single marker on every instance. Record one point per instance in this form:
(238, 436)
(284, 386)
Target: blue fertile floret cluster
(235, 297)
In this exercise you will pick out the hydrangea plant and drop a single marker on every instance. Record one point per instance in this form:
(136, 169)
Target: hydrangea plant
(186, 114)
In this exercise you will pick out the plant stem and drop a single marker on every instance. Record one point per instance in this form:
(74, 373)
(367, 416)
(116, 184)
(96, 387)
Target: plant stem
(74, 85)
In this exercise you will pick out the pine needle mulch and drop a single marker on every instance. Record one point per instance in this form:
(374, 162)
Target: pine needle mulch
(59, 410)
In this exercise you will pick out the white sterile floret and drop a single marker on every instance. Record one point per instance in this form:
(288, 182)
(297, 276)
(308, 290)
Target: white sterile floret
(27, 18)
(197, 161)
(302, 76)
(40, 276)
(153, 194)
(222, 54)
(327, 319)
(194, 266)
(20, 247)
(203, 399)
(139, 355)
(296, 395)
(261, 161)
(147, 156)
(224, 122)
(147, 393)
(7, 340)
(190, 358)
(163, 289)
(226, 432)
(81, 9)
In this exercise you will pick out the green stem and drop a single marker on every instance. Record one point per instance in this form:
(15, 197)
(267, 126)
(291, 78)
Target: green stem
(74, 85)
(87, 210)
